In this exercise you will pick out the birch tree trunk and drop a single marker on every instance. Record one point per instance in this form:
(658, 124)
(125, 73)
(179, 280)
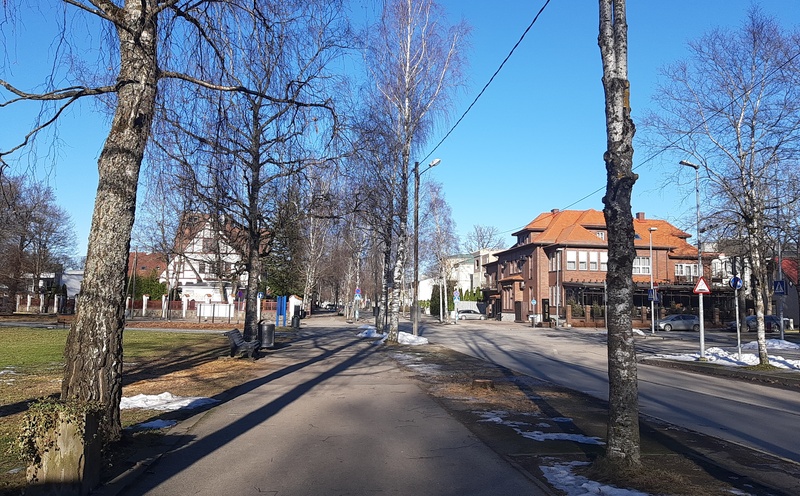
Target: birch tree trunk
(623, 448)
(93, 351)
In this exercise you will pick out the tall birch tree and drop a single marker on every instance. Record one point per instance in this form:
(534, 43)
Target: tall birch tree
(623, 449)
(414, 60)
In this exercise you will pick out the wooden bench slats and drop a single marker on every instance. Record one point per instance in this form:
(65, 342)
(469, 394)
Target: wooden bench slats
(239, 345)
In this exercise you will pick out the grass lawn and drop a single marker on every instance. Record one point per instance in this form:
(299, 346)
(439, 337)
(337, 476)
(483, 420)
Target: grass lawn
(185, 364)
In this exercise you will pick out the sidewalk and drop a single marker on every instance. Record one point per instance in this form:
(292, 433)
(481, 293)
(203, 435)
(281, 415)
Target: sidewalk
(334, 418)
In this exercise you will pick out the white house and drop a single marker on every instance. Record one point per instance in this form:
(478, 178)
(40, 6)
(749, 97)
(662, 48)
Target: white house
(207, 265)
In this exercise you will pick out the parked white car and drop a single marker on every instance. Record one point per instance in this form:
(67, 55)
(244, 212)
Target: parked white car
(470, 315)
(679, 322)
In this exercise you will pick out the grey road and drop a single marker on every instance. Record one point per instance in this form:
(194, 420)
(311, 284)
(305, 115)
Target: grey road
(758, 416)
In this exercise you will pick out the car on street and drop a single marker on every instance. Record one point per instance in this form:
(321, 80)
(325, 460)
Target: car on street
(771, 324)
(470, 315)
(679, 322)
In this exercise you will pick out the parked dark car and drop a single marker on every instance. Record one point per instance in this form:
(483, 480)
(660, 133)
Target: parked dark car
(771, 324)
(470, 315)
(679, 322)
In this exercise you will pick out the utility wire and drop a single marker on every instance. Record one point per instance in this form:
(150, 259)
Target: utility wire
(692, 130)
(489, 82)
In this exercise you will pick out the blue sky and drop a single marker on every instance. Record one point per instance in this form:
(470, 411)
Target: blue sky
(533, 142)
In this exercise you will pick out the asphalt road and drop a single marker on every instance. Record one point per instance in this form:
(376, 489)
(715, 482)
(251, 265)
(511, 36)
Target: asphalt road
(758, 416)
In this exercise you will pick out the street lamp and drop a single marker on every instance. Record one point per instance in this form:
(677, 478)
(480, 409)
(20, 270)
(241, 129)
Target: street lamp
(415, 301)
(699, 256)
(652, 293)
(558, 284)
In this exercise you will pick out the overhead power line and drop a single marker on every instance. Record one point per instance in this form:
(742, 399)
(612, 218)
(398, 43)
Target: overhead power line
(488, 83)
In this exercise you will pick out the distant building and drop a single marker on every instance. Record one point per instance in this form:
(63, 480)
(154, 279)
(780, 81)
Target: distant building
(561, 258)
(207, 260)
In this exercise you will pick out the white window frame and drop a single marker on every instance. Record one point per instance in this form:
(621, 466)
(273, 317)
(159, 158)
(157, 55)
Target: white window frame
(572, 257)
(604, 261)
(641, 266)
(583, 260)
(593, 256)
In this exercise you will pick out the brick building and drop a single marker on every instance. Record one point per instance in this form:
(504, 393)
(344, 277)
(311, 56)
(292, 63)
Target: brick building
(559, 262)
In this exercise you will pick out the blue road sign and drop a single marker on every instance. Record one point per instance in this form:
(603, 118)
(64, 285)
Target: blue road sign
(736, 282)
(652, 294)
(779, 287)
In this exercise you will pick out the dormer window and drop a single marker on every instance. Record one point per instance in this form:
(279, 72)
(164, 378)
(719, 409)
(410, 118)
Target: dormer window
(601, 235)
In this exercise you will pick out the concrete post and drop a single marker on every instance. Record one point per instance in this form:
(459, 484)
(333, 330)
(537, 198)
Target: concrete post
(144, 304)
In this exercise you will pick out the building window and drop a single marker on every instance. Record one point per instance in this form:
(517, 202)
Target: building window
(601, 235)
(582, 260)
(572, 260)
(641, 265)
(201, 267)
(685, 269)
(593, 260)
(604, 261)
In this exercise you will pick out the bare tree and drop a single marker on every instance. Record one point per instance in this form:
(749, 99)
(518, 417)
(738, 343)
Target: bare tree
(414, 60)
(36, 235)
(240, 154)
(483, 238)
(733, 109)
(153, 42)
(623, 450)
(438, 235)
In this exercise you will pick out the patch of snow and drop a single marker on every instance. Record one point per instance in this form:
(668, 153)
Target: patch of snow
(8, 371)
(772, 344)
(732, 358)
(560, 436)
(155, 424)
(561, 477)
(369, 332)
(407, 338)
(164, 401)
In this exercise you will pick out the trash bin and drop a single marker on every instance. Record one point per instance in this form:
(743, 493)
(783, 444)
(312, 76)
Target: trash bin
(296, 321)
(267, 334)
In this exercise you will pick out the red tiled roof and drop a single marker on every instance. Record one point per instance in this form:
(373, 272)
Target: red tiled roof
(580, 227)
(790, 269)
(146, 264)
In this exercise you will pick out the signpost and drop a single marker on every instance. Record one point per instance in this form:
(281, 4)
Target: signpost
(357, 302)
(700, 289)
(456, 299)
(736, 283)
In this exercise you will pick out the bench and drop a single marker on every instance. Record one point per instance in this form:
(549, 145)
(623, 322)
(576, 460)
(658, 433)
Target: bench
(239, 345)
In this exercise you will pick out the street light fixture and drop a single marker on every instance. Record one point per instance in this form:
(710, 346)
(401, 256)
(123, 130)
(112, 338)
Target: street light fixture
(699, 256)
(415, 301)
(652, 293)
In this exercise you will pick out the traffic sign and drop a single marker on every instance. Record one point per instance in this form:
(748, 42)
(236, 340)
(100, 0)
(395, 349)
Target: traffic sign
(736, 282)
(533, 302)
(701, 287)
(652, 294)
(358, 291)
(779, 287)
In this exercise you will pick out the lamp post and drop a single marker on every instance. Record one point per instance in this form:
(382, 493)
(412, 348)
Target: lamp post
(699, 256)
(652, 293)
(558, 283)
(415, 301)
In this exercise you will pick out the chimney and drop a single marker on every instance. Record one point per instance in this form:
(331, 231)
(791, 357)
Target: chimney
(554, 211)
(639, 215)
